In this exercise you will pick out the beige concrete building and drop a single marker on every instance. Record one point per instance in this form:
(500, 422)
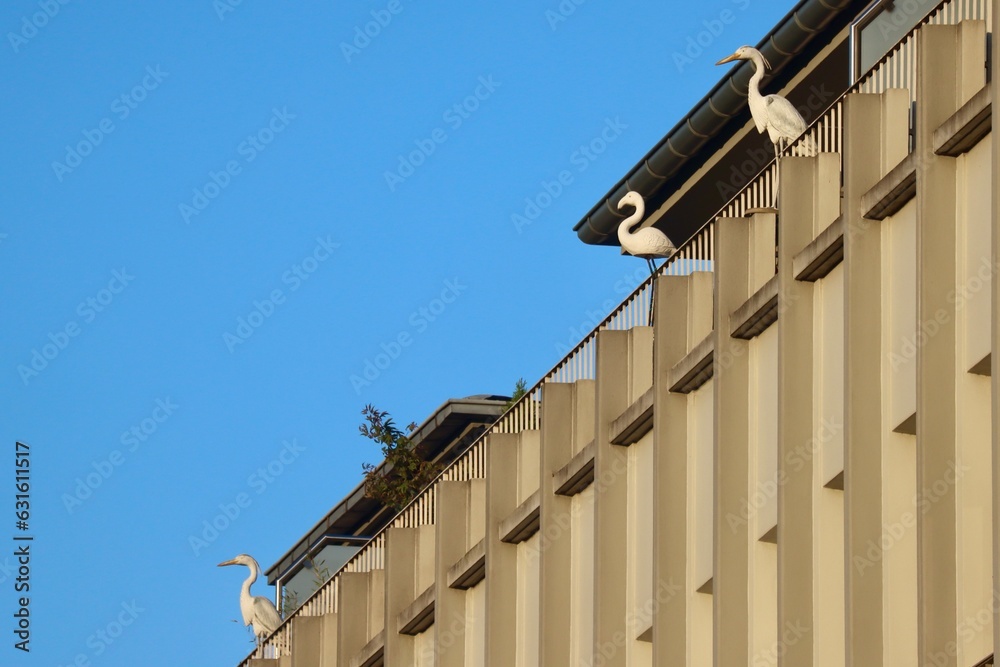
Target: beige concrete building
(796, 463)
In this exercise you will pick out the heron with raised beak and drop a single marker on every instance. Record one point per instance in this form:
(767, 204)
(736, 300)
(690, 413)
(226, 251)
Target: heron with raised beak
(771, 113)
(258, 612)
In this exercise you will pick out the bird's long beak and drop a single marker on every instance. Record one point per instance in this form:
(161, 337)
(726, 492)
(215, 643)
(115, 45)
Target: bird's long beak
(728, 59)
(228, 562)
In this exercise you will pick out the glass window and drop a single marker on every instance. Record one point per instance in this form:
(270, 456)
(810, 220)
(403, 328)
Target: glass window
(880, 27)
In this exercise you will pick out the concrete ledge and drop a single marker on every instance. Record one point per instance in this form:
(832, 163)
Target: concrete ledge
(967, 126)
(892, 192)
(695, 369)
(757, 313)
(821, 256)
(418, 616)
(372, 653)
(576, 475)
(523, 521)
(470, 569)
(635, 422)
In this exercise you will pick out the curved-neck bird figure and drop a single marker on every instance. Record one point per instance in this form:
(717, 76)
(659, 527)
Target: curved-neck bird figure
(648, 243)
(257, 611)
(773, 113)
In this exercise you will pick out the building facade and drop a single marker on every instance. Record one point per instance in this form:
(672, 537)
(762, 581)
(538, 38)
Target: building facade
(796, 462)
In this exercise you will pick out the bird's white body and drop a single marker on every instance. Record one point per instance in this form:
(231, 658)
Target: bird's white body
(257, 611)
(771, 113)
(648, 243)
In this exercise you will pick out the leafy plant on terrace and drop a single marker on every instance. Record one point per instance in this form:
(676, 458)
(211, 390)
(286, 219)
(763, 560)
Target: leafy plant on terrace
(405, 471)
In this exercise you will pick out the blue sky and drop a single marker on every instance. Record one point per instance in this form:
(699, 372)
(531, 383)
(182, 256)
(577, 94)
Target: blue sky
(216, 215)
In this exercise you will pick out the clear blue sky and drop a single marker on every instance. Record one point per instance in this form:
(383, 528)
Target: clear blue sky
(201, 246)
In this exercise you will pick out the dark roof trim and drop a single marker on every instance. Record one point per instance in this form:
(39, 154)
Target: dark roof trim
(709, 116)
(482, 409)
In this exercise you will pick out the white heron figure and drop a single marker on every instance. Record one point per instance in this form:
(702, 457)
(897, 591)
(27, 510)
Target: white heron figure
(648, 243)
(772, 113)
(257, 611)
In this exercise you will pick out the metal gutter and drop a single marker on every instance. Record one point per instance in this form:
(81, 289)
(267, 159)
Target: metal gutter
(711, 116)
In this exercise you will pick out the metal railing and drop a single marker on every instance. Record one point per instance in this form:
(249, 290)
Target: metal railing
(898, 67)
(895, 70)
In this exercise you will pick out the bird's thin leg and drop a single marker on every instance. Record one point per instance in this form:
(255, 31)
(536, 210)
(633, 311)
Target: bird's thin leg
(777, 171)
(652, 286)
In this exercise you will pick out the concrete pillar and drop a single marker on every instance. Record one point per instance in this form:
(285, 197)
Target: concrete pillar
(950, 70)
(401, 553)
(731, 584)
(555, 527)
(307, 641)
(611, 501)
(875, 139)
(353, 605)
(995, 320)
(328, 634)
(452, 521)
(688, 301)
(501, 559)
(806, 208)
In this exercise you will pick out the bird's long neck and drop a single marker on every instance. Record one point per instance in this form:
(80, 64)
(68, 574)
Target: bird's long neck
(624, 229)
(249, 581)
(753, 92)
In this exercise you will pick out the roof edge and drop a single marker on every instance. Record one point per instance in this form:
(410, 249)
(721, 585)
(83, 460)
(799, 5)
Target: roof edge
(480, 405)
(710, 115)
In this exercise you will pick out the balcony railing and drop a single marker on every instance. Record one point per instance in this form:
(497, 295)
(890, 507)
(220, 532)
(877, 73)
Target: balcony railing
(895, 70)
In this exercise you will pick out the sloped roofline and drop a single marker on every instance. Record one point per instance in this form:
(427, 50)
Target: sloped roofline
(660, 169)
